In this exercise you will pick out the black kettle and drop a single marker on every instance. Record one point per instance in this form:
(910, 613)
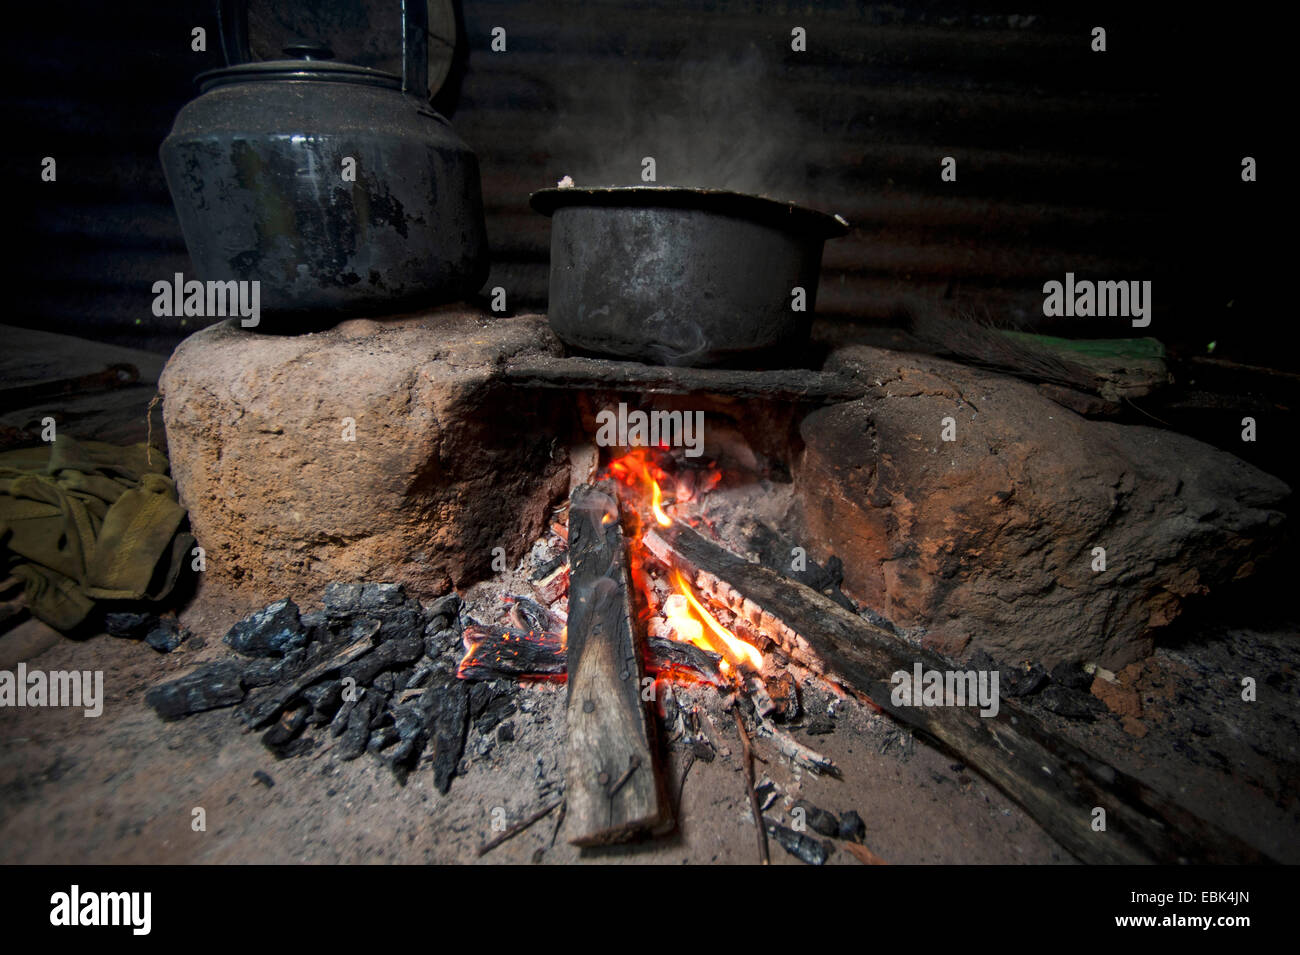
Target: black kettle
(333, 186)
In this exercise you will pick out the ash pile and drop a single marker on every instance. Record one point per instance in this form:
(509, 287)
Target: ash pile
(373, 672)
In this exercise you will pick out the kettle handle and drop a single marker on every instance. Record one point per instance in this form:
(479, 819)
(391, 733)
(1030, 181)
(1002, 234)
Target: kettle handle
(232, 24)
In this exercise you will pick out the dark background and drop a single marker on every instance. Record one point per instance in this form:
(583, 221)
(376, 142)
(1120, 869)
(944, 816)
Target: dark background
(1122, 165)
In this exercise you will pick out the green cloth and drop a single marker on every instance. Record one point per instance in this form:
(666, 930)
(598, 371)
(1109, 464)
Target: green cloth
(82, 521)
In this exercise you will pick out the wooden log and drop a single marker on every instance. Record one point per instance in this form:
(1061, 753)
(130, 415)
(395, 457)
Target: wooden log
(592, 374)
(514, 653)
(494, 651)
(612, 790)
(1057, 783)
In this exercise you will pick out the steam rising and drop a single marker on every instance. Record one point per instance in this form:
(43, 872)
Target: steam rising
(713, 120)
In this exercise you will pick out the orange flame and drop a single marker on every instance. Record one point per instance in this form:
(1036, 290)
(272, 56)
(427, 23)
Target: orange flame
(689, 620)
(633, 466)
(733, 649)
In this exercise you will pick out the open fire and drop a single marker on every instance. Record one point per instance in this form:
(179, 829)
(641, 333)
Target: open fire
(653, 489)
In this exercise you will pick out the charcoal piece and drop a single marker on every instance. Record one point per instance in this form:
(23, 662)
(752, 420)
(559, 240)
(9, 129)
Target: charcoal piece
(774, 553)
(818, 820)
(381, 739)
(317, 626)
(401, 623)
(803, 847)
(352, 741)
(506, 733)
(166, 635)
(449, 725)
(418, 677)
(703, 750)
(325, 699)
(384, 683)
(443, 613)
(270, 632)
(360, 628)
(386, 656)
(532, 617)
(1022, 681)
(440, 642)
(287, 727)
(380, 716)
(852, 827)
(1071, 676)
(380, 598)
(494, 713)
(340, 721)
(546, 568)
(480, 695)
(340, 599)
(297, 747)
(785, 695)
(261, 672)
(819, 726)
(765, 793)
(129, 624)
(483, 694)
(293, 663)
(1071, 704)
(264, 778)
(260, 710)
(209, 687)
(411, 721)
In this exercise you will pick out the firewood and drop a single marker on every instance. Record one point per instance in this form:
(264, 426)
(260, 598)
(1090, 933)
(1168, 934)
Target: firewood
(1055, 781)
(514, 653)
(612, 790)
(795, 751)
(494, 651)
(668, 655)
(551, 582)
(755, 809)
(265, 708)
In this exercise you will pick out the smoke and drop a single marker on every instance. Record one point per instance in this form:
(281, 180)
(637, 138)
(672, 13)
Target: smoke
(714, 120)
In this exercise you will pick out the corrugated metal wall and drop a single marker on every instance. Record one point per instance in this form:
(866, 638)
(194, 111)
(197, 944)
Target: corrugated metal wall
(1067, 160)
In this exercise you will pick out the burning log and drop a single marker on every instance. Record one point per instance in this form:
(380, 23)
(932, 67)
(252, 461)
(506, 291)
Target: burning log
(494, 651)
(667, 656)
(1056, 782)
(612, 791)
(514, 653)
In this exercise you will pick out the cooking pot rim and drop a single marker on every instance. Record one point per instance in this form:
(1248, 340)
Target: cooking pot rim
(776, 212)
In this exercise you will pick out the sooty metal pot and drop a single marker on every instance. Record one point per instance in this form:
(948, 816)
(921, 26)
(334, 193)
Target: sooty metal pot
(333, 185)
(682, 276)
